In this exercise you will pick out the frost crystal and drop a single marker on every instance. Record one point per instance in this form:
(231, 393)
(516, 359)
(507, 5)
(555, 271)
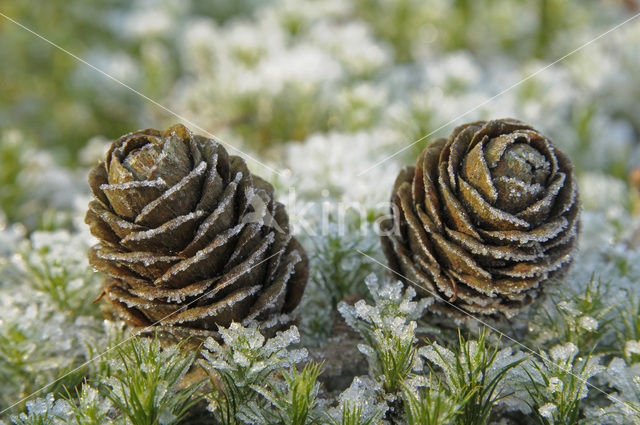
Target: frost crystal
(362, 393)
(632, 347)
(547, 410)
(45, 411)
(563, 353)
(588, 323)
(555, 385)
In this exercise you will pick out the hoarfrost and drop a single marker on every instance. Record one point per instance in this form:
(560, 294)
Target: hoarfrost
(547, 410)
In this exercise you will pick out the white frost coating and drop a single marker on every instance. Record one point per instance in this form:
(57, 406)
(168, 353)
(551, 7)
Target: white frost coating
(539, 269)
(540, 234)
(363, 392)
(220, 208)
(257, 254)
(273, 321)
(293, 259)
(45, 409)
(632, 347)
(588, 323)
(547, 410)
(247, 357)
(145, 258)
(109, 217)
(213, 309)
(158, 183)
(520, 186)
(487, 209)
(168, 226)
(563, 353)
(500, 252)
(555, 385)
(549, 197)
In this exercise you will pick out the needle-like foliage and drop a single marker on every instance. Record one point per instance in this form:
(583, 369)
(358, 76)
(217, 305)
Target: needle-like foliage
(144, 383)
(246, 360)
(291, 401)
(473, 375)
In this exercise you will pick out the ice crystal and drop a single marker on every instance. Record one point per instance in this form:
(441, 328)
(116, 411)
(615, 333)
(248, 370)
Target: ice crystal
(247, 359)
(362, 395)
(548, 410)
(91, 407)
(44, 411)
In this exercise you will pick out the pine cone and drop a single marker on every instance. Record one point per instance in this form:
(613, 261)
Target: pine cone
(484, 218)
(189, 238)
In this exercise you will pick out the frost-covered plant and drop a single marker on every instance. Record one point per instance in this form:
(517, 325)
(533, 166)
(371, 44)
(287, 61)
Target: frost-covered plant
(245, 360)
(338, 271)
(40, 347)
(55, 263)
(44, 411)
(91, 407)
(629, 314)
(559, 383)
(352, 414)
(475, 376)
(97, 346)
(293, 401)
(359, 404)
(388, 327)
(625, 402)
(46, 289)
(429, 406)
(582, 318)
(144, 382)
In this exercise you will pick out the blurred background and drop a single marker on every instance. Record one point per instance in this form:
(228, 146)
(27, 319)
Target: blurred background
(288, 79)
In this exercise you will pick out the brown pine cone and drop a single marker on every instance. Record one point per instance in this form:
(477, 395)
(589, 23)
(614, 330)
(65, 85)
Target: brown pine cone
(189, 238)
(484, 218)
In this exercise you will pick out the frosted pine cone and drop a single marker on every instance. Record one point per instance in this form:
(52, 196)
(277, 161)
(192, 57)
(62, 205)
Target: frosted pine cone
(484, 218)
(189, 238)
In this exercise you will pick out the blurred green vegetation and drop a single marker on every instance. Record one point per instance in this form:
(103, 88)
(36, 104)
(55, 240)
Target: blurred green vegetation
(60, 103)
(39, 90)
